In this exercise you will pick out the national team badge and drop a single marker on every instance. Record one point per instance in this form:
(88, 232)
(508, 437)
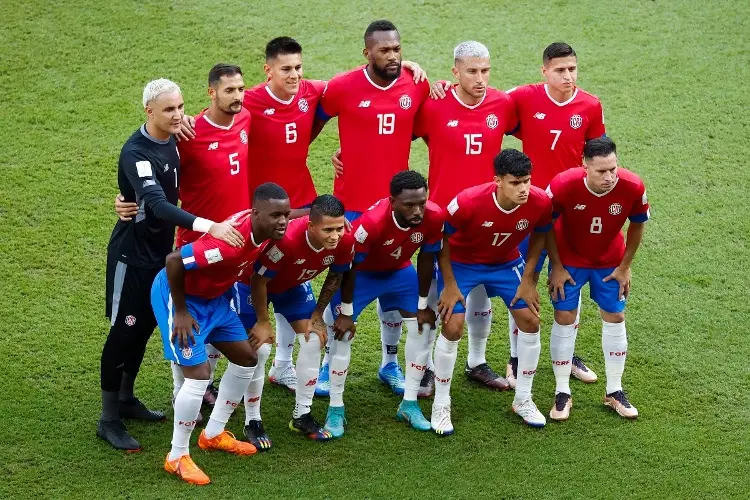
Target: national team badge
(243, 137)
(328, 260)
(303, 106)
(615, 209)
(576, 121)
(522, 224)
(416, 237)
(405, 102)
(187, 353)
(130, 320)
(492, 121)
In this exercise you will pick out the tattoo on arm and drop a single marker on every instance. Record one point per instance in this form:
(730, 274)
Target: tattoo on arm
(331, 284)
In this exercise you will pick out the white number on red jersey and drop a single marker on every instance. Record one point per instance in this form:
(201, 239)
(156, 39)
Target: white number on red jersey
(291, 132)
(596, 225)
(306, 275)
(386, 123)
(496, 243)
(396, 253)
(235, 163)
(473, 144)
(557, 136)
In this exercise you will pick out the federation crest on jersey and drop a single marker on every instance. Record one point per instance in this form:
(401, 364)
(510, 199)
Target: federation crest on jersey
(187, 353)
(576, 121)
(405, 102)
(416, 237)
(243, 137)
(522, 225)
(492, 121)
(303, 105)
(328, 260)
(615, 209)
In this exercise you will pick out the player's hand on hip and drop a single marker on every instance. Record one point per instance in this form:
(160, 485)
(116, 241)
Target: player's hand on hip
(338, 166)
(187, 129)
(450, 296)
(225, 232)
(527, 292)
(622, 275)
(317, 326)
(125, 210)
(426, 317)
(261, 333)
(439, 89)
(420, 75)
(556, 282)
(344, 324)
(183, 325)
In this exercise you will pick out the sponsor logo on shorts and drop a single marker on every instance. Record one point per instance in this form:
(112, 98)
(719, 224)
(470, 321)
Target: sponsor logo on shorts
(130, 320)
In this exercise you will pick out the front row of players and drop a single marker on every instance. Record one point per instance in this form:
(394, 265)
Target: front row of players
(474, 242)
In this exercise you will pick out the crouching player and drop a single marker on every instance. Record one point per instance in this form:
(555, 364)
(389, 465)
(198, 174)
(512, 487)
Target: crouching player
(593, 204)
(192, 311)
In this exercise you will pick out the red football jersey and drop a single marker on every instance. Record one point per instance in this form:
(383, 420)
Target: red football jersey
(589, 230)
(382, 245)
(214, 265)
(213, 171)
(375, 132)
(482, 232)
(463, 140)
(554, 133)
(280, 139)
(293, 260)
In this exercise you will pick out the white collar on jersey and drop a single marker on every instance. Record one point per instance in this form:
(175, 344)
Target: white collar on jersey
(575, 93)
(364, 70)
(228, 127)
(599, 195)
(273, 96)
(393, 214)
(453, 91)
(309, 243)
(497, 204)
(252, 239)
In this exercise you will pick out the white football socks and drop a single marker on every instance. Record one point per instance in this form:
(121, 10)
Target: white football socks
(478, 324)
(446, 352)
(512, 335)
(416, 354)
(233, 386)
(328, 320)
(390, 335)
(341, 355)
(615, 348)
(214, 355)
(285, 336)
(529, 347)
(432, 303)
(562, 342)
(308, 364)
(254, 390)
(177, 378)
(187, 404)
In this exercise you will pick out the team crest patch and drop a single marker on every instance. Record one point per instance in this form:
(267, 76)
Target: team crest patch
(328, 260)
(416, 237)
(492, 121)
(187, 353)
(303, 105)
(405, 102)
(522, 224)
(130, 320)
(360, 234)
(243, 137)
(576, 121)
(615, 209)
(275, 254)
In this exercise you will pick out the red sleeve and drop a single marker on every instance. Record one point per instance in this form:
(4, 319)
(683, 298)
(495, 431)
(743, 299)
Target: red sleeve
(516, 95)
(422, 121)
(511, 115)
(457, 212)
(345, 251)
(596, 122)
(436, 229)
(319, 86)
(208, 251)
(555, 193)
(544, 223)
(364, 235)
(273, 256)
(640, 211)
(329, 101)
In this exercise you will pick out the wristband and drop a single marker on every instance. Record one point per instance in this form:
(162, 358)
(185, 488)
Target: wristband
(347, 309)
(422, 303)
(202, 225)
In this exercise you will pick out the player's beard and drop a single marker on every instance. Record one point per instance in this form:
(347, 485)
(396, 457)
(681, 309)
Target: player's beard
(230, 110)
(383, 72)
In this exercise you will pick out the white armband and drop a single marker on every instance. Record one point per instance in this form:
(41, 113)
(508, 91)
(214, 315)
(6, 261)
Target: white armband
(202, 225)
(422, 303)
(347, 309)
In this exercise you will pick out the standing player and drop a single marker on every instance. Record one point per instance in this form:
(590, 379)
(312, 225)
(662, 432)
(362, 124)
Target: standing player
(282, 276)
(148, 174)
(464, 133)
(386, 238)
(593, 204)
(192, 311)
(376, 105)
(484, 226)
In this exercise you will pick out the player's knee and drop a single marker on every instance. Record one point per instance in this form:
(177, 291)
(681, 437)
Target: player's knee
(453, 329)
(311, 345)
(263, 353)
(565, 317)
(613, 317)
(197, 372)
(527, 321)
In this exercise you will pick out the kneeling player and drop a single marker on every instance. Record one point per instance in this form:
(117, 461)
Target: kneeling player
(282, 277)
(588, 246)
(484, 226)
(190, 307)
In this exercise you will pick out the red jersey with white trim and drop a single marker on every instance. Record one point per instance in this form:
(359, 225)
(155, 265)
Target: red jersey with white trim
(553, 133)
(482, 232)
(213, 265)
(463, 140)
(589, 229)
(293, 260)
(381, 244)
(375, 132)
(214, 169)
(280, 139)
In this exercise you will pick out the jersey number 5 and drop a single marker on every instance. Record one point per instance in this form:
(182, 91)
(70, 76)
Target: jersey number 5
(235, 163)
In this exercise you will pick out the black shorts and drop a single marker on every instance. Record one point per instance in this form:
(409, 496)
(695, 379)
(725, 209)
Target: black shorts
(129, 294)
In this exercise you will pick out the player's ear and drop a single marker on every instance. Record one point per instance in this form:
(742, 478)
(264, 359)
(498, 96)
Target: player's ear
(267, 70)
(366, 53)
(455, 72)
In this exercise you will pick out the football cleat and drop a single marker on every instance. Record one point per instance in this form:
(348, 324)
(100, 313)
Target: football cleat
(226, 442)
(619, 402)
(441, 420)
(486, 376)
(185, 469)
(212, 392)
(427, 385)
(579, 370)
(323, 386)
(411, 413)
(285, 377)
(392, 376)
(335, 421)
(561, 409)
(115, 433)
(307, 426)
(256, 435)
(134, 409)
(511, 371)
(530, 414)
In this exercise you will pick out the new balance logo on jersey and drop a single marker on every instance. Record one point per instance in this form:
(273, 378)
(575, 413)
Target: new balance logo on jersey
(579, 207)
(269, 111)
(388, 242)
(539, 116)
(300, 261)
(213, 145)
(487, 223)
(364, 104)
(452, 123)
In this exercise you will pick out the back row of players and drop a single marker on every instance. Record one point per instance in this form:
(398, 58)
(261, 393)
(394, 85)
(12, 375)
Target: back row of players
(269, 248)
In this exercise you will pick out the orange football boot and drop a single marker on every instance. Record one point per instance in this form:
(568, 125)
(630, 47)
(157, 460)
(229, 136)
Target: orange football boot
(185, 469)
(226, 442)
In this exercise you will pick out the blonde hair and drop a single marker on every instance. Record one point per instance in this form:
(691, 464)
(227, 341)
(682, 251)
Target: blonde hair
(155, 88)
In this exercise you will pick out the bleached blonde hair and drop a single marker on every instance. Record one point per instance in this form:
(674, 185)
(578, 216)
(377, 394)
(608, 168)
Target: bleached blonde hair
(155, 88)
(470, 49)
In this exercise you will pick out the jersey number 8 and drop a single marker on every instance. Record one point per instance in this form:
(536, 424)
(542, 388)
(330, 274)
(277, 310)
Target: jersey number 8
(596, 225)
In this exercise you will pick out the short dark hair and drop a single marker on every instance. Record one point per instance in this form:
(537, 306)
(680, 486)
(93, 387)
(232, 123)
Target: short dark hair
(379, 25)
(513, 162)
(408, 179)
(281, 46)
(326, 205)
(557, 49)
(269, 191)
(601, 146)
(221, 69)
